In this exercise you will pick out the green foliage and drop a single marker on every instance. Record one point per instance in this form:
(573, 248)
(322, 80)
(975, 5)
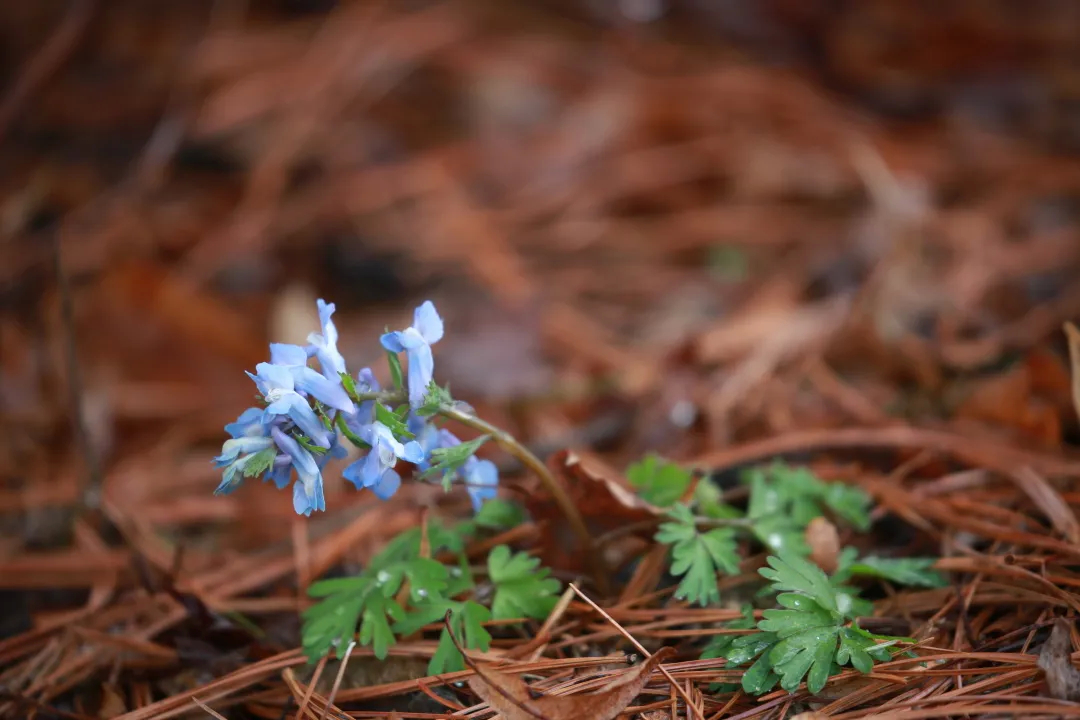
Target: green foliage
(374, 603)
(657, 481)
(521, 590)
(394, 420)
(397, 376)
(809, 637)
(447, 461)
(260, 462)
(434, 399)
(783, 501)
(917, 572)
(698, 556)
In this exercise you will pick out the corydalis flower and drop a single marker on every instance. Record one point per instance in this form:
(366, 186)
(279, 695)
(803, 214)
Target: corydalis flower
(325, 388)
(416, 342)
(252, 438)
(376, 470)
(277, 385)
(325, 345)
(481, 477)
(235, 456)
(481, 481)
(308, 488)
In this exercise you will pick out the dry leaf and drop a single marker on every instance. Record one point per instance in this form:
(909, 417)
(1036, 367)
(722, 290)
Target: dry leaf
(605, 500)
(1073, 334)
(514, 700)
(811, 715)
(1062, 679)
(1050, 502)
(824, 543)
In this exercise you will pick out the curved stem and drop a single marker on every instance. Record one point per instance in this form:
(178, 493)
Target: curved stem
(522, 453)
(526, 457)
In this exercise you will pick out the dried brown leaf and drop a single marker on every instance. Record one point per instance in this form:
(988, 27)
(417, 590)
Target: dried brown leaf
(1062, 679)
(1050, 502)
(514, 700)
(1073, 335)
(824, 543)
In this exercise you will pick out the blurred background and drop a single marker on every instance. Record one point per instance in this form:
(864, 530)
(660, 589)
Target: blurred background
(650, 225)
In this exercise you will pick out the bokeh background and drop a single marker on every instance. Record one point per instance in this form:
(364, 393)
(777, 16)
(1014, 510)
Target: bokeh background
(650, 225)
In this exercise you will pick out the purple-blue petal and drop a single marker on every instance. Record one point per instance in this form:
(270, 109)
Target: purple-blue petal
(388, 485)
(276, 377)
(281, 472)
(421, 370)
(412, 452)
(481, 481)
(248, 424)
(322, 389)
(287, 355)
(427, 322)
(392, 342)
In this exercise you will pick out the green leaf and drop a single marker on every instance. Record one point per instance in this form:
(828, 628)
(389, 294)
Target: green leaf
(449, 460)
(793, 573)
(721, 645)
(435, 399)
(759, 678)
(916, 572)
(793, 496)
(348, 383)
(308, 445)
(467, 623)
(521, 590)
(853, 650)
(809, 651)
(428, 579)
(499, 514)
(804, 614)
(697, 556)
(260, 462)
(397, 376)
(375, 623)
(658, 481)
(849, 503)
(395, 421)
(780, 535)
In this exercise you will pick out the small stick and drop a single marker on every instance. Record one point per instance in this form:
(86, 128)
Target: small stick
(690, 706)
(337, 680)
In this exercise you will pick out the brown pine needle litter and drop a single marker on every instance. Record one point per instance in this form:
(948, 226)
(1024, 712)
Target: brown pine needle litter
(844, 236)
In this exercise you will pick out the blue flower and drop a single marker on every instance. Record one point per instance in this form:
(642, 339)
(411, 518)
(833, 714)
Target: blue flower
(325, 389)
(249, 424)
(429, 438)
(325, 345)
(308, 488)
(276, 383)
(376, 469)
(235, 455)
(416, 342)
(481, 481)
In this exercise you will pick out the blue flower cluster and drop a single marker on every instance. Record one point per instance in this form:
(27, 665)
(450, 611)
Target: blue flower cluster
(304, 410)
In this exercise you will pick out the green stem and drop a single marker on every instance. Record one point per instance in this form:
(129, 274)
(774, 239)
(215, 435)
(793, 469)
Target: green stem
(523, 454)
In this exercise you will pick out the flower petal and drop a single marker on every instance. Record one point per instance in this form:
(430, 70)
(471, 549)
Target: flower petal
(392, 342)
(412, 452)
(482, 482)
(248, 424)
(322, 389)
(388, 485)
(287, 355)
(281, 472)
(427, 322)
(276, 377)
(421, 370)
